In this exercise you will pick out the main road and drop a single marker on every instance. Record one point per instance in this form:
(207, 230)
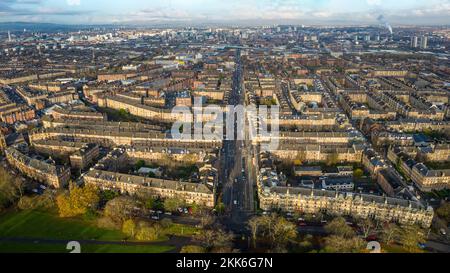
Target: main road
(237, 157)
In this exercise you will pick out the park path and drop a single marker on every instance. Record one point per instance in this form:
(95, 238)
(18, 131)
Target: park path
(176, 242)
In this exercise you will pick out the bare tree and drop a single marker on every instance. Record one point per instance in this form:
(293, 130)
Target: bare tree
(389, 233)
(254, 225)
(366, 225)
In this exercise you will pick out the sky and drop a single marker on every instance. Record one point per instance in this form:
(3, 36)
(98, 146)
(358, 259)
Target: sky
(403, 12)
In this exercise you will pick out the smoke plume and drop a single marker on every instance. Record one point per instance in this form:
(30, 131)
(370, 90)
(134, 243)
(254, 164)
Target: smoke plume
(384, 22)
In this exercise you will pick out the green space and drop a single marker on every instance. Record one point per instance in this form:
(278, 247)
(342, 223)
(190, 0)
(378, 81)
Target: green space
(119, 115)
(434, 134)
(35, 224)
(11, 247)
(172, 169)
(38, 224)
(439, 194)
(215, 102)
(445, 165)
(268, 101)
(181, 230)
(397, 249)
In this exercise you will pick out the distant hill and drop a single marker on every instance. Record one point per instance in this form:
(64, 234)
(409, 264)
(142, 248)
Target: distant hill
(44, 27)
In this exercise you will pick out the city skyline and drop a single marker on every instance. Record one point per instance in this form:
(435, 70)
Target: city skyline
(403, 12)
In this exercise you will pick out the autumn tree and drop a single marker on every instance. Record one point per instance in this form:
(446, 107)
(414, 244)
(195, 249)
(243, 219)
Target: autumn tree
(172, 204)
(11, 189)
(283, 231)
(411, 236)
(78, 200)
(343, 239)
(193, 249)
(389, 233)
(147, 233)
(444, 212)
(45, 201)
(340, 244)
(358, 173)
(129, 228)
(339, 227)
(120, 209)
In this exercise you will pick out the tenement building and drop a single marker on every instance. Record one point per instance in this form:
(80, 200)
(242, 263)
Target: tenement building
(428, 180)
(355, 205)
(275, 195)
(191, 193)
(42, 171)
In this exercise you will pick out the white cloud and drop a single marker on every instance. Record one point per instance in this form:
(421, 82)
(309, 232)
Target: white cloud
(73, 2)
(374, 2)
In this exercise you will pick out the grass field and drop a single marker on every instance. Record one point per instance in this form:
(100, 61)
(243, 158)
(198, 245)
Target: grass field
(11, 247)
(44, 225)
(181, 230)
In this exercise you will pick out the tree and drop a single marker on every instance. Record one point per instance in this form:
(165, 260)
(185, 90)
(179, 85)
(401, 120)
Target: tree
(366, 225)
(150, 203)
(220, 208)
(339, 227)
(276, 229)
(120, 209)
(172, 204)
(11, 189)
(214, 239)
(358, 173)
(283, 231)
(444, 212)
(193, 249)
(140, 164)
(129, 228)
(107, 223)
(340, 244)
(108, 195)
(195, 209)
(254, 225)
(389, 233)
(207, 221)
(332, 159)
(45, 201)
(146, 233)
(78, 200)
(306, 244)
(411, 236)
(154, 204)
